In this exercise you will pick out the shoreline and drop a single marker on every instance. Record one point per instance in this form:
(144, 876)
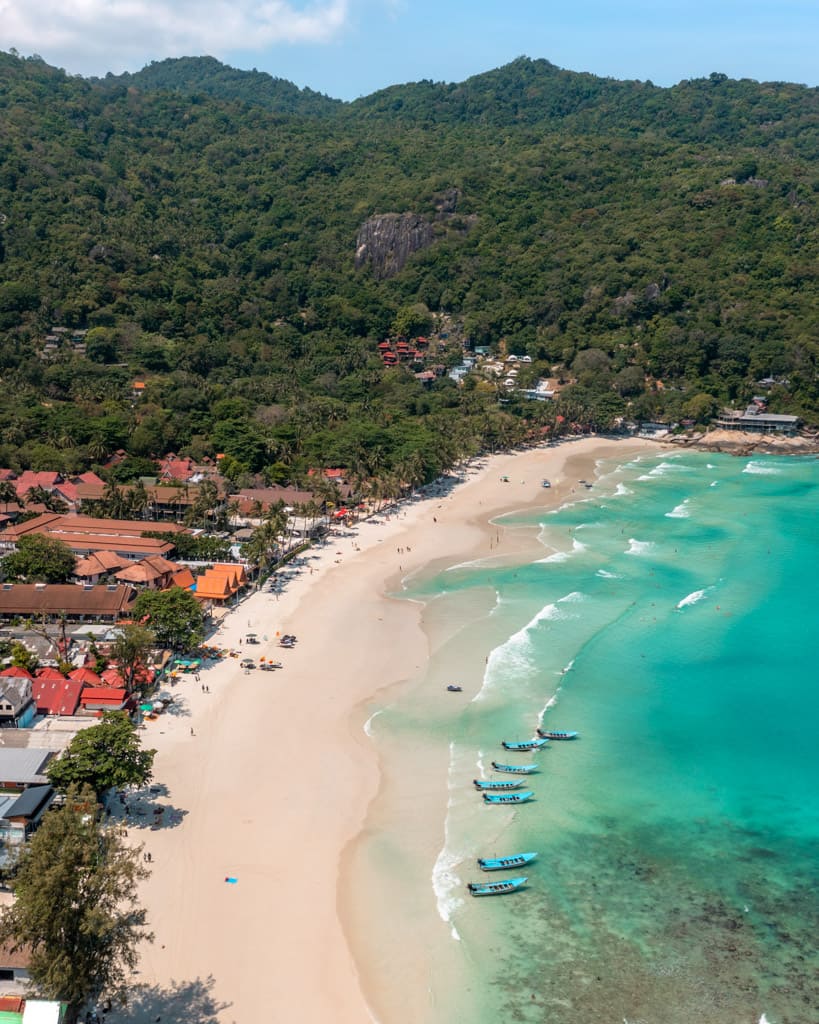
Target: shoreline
(276, 778)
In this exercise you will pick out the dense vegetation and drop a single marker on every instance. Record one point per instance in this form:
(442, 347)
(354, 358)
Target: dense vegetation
(201, 223)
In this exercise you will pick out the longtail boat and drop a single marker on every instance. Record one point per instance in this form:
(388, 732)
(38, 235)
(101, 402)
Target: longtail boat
(525, 744)
(517, 860)
(496, 888)
(508, 798)
(557, 734)
(515, 769)
(496, 784)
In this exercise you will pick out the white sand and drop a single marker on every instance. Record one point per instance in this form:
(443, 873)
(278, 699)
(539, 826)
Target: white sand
(277, 779)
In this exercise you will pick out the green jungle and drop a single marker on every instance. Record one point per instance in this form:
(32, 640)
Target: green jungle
(656, 249)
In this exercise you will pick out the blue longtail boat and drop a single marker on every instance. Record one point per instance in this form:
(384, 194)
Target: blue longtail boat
(508, 798)
(496, 888)
(557, 734)
(515, 769)
(517, 860)
(495, 784)
(535, 744)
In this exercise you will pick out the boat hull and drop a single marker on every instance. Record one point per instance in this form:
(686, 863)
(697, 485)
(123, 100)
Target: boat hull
(537, 744)
(496, 888)
(556, 734)
(505, 863)
(492, 785)
(508, 798)
(515, 769)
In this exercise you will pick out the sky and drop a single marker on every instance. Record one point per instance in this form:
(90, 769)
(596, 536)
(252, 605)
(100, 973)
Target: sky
(351, 48)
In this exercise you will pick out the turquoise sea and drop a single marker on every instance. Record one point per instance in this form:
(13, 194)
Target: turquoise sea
(670, 615)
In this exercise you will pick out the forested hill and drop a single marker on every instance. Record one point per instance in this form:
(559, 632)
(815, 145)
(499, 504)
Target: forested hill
(208, 77)
(213, 232)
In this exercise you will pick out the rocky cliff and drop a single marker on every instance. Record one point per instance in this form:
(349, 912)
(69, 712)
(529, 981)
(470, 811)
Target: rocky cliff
(387, 241)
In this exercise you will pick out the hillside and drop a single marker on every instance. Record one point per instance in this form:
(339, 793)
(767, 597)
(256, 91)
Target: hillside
(203, 223)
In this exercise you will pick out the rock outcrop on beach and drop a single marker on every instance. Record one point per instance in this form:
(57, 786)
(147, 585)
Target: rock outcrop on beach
(740, 442)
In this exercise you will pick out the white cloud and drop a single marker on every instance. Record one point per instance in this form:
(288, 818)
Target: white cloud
(95, 36)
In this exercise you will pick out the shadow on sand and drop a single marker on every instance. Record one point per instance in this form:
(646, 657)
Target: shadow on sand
(181, 1002)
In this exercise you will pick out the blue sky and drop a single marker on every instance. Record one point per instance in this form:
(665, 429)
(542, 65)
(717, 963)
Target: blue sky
(349, 48)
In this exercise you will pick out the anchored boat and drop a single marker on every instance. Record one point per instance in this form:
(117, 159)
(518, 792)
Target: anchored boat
(517, 860)
(496, 784)
(515, 769)
(525, 744)
(557, 734)
(496, 888)
(508, 798)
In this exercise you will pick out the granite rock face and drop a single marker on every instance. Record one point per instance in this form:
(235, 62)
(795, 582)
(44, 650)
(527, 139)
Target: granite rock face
(387, 240)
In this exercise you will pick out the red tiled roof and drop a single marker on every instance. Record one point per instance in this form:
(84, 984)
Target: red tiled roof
(111, 677)
(68, 491)
(110, 695)
(12, 672)
(56, 697)
(86, 676)
(28, 479)
(99, 562)
(183, 578)
(52, 674)
(88, 478)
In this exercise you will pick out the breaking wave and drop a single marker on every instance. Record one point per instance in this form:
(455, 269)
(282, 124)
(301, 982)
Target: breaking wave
(681, 511)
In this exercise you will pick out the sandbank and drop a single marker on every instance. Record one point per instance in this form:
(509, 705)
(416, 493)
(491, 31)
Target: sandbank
(272, 774)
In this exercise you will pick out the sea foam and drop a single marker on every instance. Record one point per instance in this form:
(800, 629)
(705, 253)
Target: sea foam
(368, 725)
(639, 547)
(681, 511)
(761, 468)
(444, 879)
(693, 598)
(515, 654)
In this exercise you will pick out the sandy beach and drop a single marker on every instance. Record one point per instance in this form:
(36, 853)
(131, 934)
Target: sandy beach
(268, 777)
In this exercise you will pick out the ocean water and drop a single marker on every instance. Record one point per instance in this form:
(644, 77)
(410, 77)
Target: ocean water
(669, 615)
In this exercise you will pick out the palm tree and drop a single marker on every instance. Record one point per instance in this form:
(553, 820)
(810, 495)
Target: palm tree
(8, 494)
(97, 449)
(138, 500)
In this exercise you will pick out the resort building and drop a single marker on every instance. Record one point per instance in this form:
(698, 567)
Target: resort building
(151, 573)
(65, 601)
(86, 535)
(757, 419)
(93, 567)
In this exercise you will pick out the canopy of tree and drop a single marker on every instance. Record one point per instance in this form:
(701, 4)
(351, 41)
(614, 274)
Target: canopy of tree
(103, 756)
(75, 906)
(39, 559)
(174, 616)
(201, 224)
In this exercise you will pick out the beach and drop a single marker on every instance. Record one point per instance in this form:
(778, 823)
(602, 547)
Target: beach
(254, 898)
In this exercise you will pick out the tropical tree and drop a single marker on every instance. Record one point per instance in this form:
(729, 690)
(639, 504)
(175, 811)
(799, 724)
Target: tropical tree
(75, 906)
(38, 495)
(39, 559)
(130, 652)
(22, 657)
(174, 616)
(106, 755)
